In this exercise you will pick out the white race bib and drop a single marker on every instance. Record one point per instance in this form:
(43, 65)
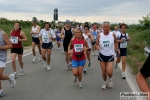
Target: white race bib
(45, 39)
(106, 44)
(123, 44)
(14, 40)
(78, 47)
(94, 37)
(35, 35)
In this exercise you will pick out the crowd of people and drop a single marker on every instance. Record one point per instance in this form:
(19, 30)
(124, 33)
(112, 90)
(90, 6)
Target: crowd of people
(77, 43)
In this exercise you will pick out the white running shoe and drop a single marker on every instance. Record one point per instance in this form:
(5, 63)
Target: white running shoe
(2, 93)
(15, 74)
(33, 59)
(123, 77)
(21, 72)
(12, 80)
(104, 87)
(48, 68)
(74, 79)
(45, 65)
(40, 59)
(110, 84)
(93, 54)
(68, 66)
(62, 52)
(79, 85)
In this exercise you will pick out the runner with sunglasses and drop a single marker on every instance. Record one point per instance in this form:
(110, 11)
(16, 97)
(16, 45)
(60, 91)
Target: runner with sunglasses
(106, 44)
(79, 46)
(122, 39)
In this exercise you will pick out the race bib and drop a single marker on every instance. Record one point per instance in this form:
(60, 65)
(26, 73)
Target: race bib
(78, 47)
(123, 44)
(45, 39)
(14, 40)
(106, 44)
(34, 35)
(94, 37)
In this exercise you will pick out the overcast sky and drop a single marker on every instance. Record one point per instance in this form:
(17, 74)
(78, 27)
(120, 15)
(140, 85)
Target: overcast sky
(115, 11)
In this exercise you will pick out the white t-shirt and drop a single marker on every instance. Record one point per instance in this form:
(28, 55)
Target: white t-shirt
(34, 29)
(116, 32)
(46, 35)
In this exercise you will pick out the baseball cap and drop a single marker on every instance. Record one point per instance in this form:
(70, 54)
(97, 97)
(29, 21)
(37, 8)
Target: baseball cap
(67, 21)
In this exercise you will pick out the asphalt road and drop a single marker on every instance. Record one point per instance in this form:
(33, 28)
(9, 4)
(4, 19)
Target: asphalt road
(57, 84)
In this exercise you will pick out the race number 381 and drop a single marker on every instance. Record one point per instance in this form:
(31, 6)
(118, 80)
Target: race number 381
(78, 47)
(14, 40)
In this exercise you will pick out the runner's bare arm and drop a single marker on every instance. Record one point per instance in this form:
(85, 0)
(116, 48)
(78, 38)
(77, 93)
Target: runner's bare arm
(62, 33)
(69, 46)
(24, 37)
(86, 44)
(91, 38)
(7, 41)
(97, 42)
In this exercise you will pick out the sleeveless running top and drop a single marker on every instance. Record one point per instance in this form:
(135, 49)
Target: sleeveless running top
(95, 34)
(15, 35)
(124, 43)
(77, 46)
(106, 43)
(34, 29)
(3, 54)
(68, 36)
(88, 40)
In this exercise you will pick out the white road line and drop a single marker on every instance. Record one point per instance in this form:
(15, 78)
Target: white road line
(22, 56)
(129, 80)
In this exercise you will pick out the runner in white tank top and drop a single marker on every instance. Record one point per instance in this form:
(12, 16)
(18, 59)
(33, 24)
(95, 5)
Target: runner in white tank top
(35, 38)
(89, 38)
(106, 44)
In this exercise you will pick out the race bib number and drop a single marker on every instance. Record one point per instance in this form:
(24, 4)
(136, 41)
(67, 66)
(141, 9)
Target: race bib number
(123, 44)
(14, 40)
(34, 35)
(45, 39)
(94, 37)
(106, 44)
(78, 47)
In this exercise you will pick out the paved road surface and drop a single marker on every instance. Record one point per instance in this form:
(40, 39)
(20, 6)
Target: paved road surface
(57, 84)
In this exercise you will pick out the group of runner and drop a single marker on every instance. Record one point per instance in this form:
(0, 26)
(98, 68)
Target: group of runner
(76, 43)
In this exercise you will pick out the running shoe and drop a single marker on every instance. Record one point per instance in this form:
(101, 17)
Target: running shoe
(93, 54)
(45, 65)
(123, 77)
(62, 52)
(40, 59)
(84, 71)
(48, 68)
(79, 85)
(33, 59)
(104, 87)
(89, 64)
(21, 72)
(12, 80)
(15, 74)
(110, 84)
(68, 66)
(74, 79)
(2, 93)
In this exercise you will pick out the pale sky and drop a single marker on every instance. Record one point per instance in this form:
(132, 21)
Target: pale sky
(114, 11)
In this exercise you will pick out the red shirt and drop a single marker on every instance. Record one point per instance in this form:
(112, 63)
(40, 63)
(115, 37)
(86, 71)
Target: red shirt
(16, 34)
(78, 46)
